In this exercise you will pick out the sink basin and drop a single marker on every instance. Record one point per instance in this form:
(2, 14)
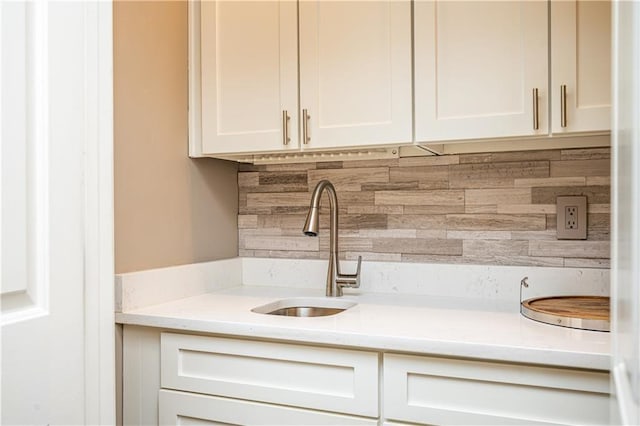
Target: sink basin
(305, 307)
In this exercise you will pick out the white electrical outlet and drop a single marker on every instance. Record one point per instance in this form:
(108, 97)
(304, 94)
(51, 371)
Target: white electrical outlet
(572, 218)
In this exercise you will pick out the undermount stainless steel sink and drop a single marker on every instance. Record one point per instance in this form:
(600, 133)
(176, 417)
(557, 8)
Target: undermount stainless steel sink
(305, 307)
(305, 311)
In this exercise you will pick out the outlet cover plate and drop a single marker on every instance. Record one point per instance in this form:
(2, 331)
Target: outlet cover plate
(571, 218)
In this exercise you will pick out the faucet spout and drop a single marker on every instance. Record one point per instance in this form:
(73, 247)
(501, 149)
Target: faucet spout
(335, 279)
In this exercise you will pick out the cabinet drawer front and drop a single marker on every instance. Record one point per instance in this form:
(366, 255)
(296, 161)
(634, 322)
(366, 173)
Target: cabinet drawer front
(179, 408)
(449, 391)
(329, 379)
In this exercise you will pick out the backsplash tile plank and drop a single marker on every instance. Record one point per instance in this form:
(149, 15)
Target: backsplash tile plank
(429, 161)
(495, 175)
(420, 198)
(391, 186)
(287, 167)
(283, 221)
(429, 177)
(551, 181)
(375, 209)
(498, 222)
(598, 194)
(349, 177)
(585, 154)
(367, 221)
(283, 178)
(492, 208)
(248, 179)
(247, 221)
(389, 233)
(409, 221)
(516, 261)
(281, 243)
(568, 249)
(534, 235)
(350, 244)
(484, 248)
(447, 209)
(479, 235)
(417, 246)
(433, 234)
(471, 209)
(580, 168)
(375, 257)
(526, 209)
(587, 263)
(501, 157)
(598, 180)
(497, 196)
(277, 199)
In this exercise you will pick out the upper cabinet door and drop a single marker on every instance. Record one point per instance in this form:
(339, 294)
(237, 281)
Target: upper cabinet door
(355, 72)
(249, 75)
(477, 68)
(581, 66)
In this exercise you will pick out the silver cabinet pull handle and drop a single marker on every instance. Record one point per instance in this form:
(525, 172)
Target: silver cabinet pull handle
(305, 127)
(535, 109)
(563, 105)
(285, 128)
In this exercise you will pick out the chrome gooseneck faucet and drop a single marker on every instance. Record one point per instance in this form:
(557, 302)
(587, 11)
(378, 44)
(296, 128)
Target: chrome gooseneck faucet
(335, 280)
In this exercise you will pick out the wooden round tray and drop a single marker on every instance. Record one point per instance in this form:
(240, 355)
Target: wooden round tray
(583, 312)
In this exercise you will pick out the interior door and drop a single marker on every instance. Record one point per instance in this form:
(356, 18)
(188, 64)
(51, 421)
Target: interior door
(55, 121)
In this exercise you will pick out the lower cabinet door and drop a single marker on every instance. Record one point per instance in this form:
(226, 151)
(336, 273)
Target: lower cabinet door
(430, 390)
(182, 408)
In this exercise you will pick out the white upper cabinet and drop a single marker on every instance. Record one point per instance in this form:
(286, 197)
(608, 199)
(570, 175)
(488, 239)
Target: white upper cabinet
(282, 76)
(581, 66)
(478, 67)
(355, 73)
(249, 75)
(354, 68)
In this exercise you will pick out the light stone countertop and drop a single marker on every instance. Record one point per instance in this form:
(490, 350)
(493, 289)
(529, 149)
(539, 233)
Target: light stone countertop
(478, 328)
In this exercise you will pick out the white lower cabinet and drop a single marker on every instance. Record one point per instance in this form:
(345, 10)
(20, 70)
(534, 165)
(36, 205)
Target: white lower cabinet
(443, 391)
(187, 379)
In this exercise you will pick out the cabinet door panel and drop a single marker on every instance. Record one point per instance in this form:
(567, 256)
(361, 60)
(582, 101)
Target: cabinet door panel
(249, 74)
(581, 60)
(476, 65)
(355, 72)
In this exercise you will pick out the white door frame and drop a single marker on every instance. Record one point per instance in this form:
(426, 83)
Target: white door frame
(99, 217)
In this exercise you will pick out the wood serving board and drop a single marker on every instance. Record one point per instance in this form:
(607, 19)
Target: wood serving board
(586, 307)
(585, 312)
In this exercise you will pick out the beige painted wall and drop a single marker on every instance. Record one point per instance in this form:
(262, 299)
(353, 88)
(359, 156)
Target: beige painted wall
(169, 209)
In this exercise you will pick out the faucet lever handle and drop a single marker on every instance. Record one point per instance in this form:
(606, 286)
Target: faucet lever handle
(350, 280)
(358, 269)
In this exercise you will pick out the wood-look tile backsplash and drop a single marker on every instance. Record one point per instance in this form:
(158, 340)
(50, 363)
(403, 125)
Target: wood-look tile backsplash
(496, 208)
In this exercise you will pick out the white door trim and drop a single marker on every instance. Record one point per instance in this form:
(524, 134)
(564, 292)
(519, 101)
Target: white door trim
(99, 217)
